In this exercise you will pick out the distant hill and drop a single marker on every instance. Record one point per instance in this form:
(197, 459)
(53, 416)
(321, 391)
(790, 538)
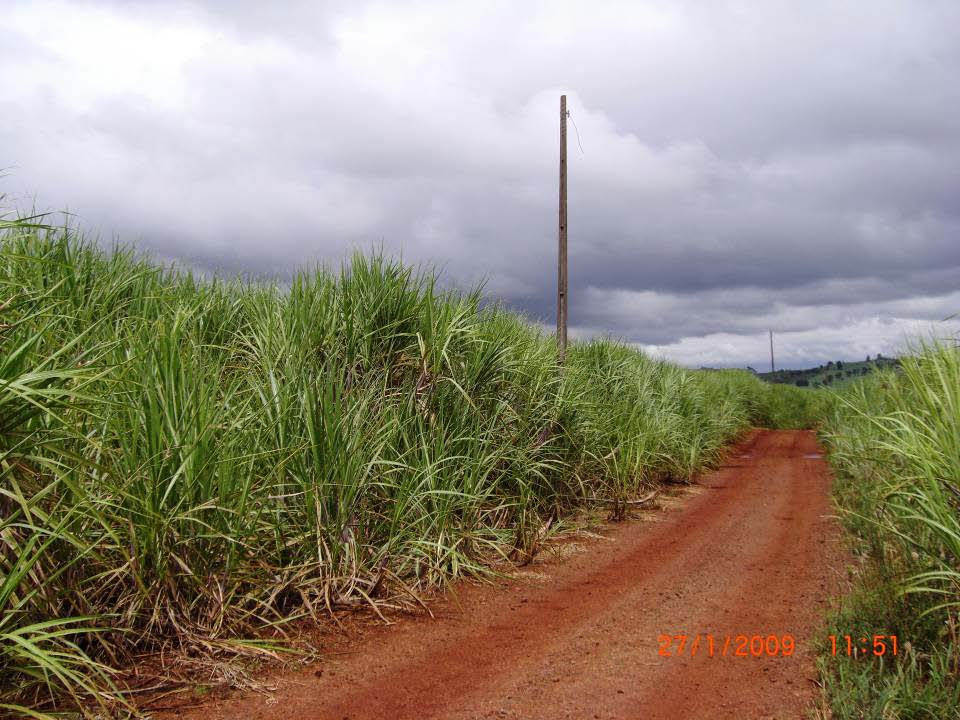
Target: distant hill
(829, 375)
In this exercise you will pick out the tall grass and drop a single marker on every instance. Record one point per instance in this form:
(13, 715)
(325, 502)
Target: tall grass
(895, 441)
(186, 464)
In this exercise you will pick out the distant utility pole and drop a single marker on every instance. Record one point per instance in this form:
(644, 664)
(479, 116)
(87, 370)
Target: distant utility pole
(772, 369)
(562, 250)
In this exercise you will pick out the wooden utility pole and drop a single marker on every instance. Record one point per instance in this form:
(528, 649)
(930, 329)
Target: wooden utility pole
(562, 250)
(772, 369)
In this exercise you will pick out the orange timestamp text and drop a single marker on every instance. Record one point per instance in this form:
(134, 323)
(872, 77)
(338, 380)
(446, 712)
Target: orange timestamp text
(853, 646)
(757, 645)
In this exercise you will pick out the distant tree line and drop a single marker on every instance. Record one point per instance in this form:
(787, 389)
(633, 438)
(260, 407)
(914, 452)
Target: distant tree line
(829, 373)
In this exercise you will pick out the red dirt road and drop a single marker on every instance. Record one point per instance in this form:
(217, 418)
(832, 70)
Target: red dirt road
(752, 551)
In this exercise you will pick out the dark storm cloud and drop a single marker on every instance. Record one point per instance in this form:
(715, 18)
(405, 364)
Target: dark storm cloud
(744, 165)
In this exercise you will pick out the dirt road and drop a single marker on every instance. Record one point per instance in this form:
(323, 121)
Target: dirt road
(750, 552)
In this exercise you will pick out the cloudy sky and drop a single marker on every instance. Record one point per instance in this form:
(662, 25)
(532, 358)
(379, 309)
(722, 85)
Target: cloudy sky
(745, 166)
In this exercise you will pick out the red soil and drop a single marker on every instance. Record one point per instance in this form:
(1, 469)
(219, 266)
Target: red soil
(753, 551)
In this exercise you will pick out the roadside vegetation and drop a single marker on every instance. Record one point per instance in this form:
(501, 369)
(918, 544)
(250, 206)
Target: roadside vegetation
(894, 440)
(789, 407)
(190, 466)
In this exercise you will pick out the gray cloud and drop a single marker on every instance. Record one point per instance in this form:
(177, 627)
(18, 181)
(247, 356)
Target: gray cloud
(745, 165)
